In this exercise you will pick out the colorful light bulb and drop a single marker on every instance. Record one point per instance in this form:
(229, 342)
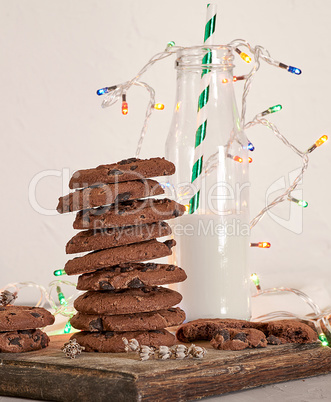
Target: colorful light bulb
(301, 203)
(261, 244)
(290, 69)
(170, 44)
(59, 272)
(243, 55)
(60, 296)
(272, 109)
(318, 143)
(105, 90)
(67, 328)
(125, 108)
(250, 147)
(323, 339)
(225, 80)
(102, 91)
(239, 78)
(250, 160)
(158, 106)
(187, 207)
(294, 70)
(321, 140)
(237, 159)
(255, 279)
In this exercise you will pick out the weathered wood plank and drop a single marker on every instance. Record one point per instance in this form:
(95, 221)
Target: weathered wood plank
(48, 375)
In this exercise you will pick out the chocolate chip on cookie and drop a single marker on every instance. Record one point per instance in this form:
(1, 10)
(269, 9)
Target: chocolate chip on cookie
(125, 170)
(108, 194)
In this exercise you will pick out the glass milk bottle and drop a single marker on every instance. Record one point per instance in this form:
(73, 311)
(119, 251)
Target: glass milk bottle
(208, 146)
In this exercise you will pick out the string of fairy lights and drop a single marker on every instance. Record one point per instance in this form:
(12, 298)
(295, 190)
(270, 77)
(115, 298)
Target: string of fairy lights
(113, 94)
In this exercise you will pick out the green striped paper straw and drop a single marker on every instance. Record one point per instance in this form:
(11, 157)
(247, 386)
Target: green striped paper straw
(200, 134)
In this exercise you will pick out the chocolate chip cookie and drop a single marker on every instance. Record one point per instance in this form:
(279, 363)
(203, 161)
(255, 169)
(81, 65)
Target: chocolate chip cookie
(133, 275)
(14, 318)
(112, 341)
(125, 170)
(137, 212)
(108, 194)
(238, 339)
(285, 331)
(101, 239)
(23, 341)
(128, 301)
(143, 251)
(147, 321)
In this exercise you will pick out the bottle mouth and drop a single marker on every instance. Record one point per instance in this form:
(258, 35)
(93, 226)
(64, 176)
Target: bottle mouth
(204, 56)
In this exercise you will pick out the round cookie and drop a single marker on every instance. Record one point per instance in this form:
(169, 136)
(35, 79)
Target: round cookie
(285, 331)
(238, 339)
(108, 194)
(129, 322)
(205, 328)
(23, 341)
(112, 341)
(133, 275)
(14, 318)
(128, 213)
(101, 239)
(145, 250)
(125, 170)
(127, 301)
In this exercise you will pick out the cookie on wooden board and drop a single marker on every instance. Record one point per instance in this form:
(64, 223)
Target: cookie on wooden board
(125, 170)
(143, 251)
(101, 239)
(238, 339)
(127, 301)
(131, 275)
(287, 331)
(23, 341)
(205, 328)
(137, 212)
(147, 321)
(14, 318)
(112, 342)
(107, 194)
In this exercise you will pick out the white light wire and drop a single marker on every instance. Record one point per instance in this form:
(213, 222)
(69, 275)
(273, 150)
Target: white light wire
(46, 297)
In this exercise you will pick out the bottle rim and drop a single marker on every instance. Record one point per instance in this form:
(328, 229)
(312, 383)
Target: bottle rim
(192, 57)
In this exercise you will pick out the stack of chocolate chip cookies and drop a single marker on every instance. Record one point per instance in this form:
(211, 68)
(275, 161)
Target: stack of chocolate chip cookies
(18, 328)
(120, 226)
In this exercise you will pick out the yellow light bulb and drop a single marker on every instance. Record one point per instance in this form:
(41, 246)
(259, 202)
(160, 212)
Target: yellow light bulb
(245, 57)
(321, 140)
(159, 106)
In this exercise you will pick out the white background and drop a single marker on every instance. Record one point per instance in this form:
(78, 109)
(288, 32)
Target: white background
(55, 54)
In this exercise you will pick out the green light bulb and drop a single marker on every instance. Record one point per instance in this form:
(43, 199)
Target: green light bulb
(60, 296)
(59, 272)
(303, 203)
(323, 339)
(67, 328)
(275, 108)
(255, 279)
(171, 43)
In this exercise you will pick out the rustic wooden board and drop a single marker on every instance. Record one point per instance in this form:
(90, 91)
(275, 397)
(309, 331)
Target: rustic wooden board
(49, 375)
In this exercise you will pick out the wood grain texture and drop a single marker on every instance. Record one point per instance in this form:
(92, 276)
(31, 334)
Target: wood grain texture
(49, 375)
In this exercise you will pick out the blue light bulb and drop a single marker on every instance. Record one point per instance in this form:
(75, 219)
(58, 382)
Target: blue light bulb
(250, 146)
(102, 91)
(294, 70)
